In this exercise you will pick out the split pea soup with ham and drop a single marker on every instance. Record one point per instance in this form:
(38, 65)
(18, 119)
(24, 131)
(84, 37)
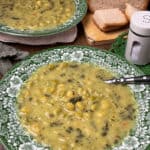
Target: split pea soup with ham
(68, 106)
(35, 14)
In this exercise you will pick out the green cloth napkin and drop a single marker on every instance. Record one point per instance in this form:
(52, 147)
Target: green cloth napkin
(118, 47)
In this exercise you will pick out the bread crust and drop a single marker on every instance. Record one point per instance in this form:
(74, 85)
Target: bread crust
(130, 10)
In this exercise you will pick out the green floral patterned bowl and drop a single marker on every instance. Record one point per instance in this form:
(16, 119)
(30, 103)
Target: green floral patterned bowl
(12, 134)
(81, 9)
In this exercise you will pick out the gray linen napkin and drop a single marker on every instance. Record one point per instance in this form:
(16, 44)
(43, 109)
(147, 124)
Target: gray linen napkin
(8, 54)
(5, 65)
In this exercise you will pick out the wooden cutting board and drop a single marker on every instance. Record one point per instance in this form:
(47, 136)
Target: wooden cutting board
(93, 34)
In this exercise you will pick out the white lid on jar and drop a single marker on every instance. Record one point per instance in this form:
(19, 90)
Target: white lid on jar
(140, 23)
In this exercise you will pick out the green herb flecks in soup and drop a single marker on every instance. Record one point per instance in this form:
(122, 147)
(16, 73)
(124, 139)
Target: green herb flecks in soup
(69, 107)
(35, 14)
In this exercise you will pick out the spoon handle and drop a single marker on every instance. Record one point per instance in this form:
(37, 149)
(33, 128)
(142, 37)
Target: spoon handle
(132, 80)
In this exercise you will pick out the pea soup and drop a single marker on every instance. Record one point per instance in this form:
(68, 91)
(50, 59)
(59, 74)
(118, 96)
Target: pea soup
(35, 14)
(68, 106)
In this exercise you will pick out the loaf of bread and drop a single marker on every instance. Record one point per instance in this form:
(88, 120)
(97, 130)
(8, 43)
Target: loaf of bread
(99, 4)
(107, 4)
(110, 19)
(130, 10)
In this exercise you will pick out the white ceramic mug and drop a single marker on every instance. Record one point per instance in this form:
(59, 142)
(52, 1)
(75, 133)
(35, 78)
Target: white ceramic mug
(138, 44)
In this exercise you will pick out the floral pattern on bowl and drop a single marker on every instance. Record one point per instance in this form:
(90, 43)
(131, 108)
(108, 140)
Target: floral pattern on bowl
(12, 134)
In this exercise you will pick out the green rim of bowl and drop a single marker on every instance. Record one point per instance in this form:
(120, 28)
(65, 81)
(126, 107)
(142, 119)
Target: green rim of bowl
(81, 9)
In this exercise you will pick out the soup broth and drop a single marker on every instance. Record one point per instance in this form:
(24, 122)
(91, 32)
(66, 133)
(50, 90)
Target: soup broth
(68, 106)
(35, 14)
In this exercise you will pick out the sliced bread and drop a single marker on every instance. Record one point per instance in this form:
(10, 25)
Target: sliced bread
(94, 36)
(109, 19)
(130, 10)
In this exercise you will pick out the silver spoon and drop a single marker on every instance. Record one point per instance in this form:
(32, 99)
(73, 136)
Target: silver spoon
(131, 80)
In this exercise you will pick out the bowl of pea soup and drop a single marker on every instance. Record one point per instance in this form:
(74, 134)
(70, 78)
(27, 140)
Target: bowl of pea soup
(40, 17)
(61, 102)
